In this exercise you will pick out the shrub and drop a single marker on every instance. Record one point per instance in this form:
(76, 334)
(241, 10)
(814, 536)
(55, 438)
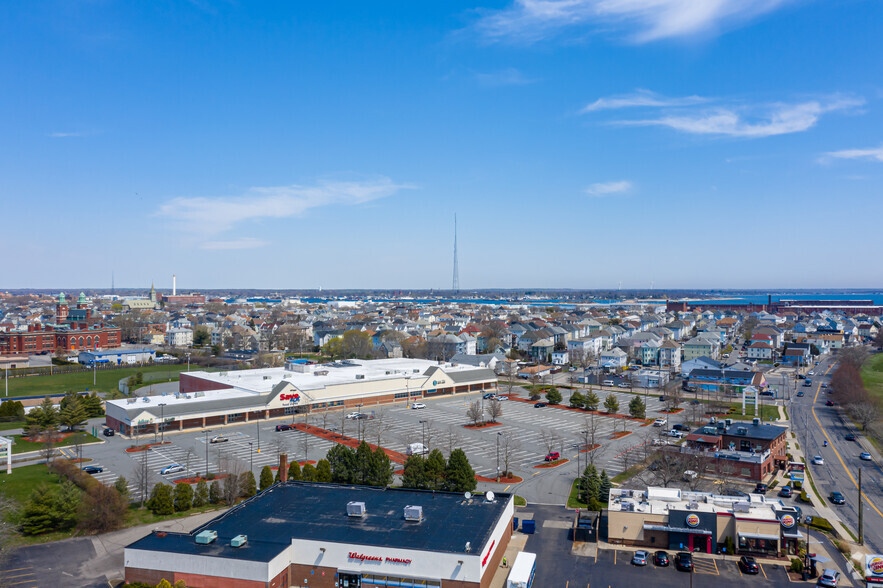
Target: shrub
(161, 502)
(266, 477)
(214, 493)
(67, 469)
(843, 547)
(201, 497)
(103, 509)
(50, 509)
(183, 497)
(796, 564)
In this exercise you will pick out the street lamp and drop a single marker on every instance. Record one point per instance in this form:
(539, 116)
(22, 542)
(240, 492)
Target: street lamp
(251, 451)
(498, 455)
(259, 435)
(206, 452)
(162, 422)
(188, 362)
(423, 423)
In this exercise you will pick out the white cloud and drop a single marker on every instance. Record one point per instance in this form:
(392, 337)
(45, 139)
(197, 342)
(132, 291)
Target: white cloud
(645, 20)
(216, 215)
(243, 243)
(641, 98)
(606, 188)
(506, 77)
(62, 135)
(874, 154)
(749, 121)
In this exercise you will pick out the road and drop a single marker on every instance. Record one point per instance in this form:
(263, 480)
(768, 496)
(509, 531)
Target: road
(816, 423)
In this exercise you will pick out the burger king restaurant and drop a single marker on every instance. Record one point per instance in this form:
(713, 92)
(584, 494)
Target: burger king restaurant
(873, 569)
(668, 518)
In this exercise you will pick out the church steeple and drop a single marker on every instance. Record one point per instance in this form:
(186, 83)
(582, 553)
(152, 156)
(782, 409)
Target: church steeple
(152, 293)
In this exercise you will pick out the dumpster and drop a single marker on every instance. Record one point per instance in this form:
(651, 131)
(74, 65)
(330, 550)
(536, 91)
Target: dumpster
(514, 523)
(528, 527)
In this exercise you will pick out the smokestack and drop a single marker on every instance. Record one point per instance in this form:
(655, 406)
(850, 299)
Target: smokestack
(173, 284)
(283, 467)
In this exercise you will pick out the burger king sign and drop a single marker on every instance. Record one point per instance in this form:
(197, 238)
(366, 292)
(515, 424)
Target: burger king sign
(788, 521)
(874, 569)
(693, 521)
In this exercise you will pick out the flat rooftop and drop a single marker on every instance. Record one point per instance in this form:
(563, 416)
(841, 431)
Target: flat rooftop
(317, 512)
(659, 501)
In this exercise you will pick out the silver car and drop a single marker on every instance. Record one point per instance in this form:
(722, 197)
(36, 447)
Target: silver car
(829, 578)
(640, 558)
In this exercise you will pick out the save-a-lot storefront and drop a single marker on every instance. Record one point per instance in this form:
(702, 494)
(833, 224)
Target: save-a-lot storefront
(668, 518)
(333, 536)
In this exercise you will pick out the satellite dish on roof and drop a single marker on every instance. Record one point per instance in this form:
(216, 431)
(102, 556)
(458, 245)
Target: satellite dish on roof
(467, 495)
(489, 496)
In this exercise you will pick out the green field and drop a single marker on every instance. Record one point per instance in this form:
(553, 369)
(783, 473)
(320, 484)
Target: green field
(105, 381)
(22, 446)
(19, 484)
(872, 375)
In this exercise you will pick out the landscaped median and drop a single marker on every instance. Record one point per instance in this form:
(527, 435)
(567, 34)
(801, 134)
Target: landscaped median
(552, 464)
(22, 444)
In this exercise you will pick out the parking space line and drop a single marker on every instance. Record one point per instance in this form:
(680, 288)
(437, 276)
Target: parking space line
(763, 571)
(16, 570)
(18, 576)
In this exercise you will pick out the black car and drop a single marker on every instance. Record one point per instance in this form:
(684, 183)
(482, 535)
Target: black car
(684, 561)
(801, 377)
(837, 498)
(748, 565)
(850, 437)
(93, 469)
(734, 492)
(107, 432)
(761, 488)
(829, 403)
(539, 405)
(660, 558)
(680, 427)
(283, 427)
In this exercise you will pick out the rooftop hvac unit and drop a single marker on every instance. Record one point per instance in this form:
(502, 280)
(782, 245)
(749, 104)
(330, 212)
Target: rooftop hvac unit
(361, 376)
(742, 431)
(755, 421)
(416, 371)
(413, 513)
(694, 505)
(239, 541)
(206, 537)
(267, 377)
(742, 507)
(729, 422)
(355, 509)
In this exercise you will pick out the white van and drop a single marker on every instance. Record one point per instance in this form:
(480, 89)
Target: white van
(608, 383)
(416, 449)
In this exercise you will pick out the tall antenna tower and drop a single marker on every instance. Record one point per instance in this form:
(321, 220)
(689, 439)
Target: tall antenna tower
(455, 286)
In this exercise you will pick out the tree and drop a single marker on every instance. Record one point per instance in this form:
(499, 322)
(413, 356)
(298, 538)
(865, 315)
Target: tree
(247, 484)
(637, 408)
(201, 336)
(266, 477)
(414, 474)
(161, 502)
(72, 413)
(553, 396)
(294, 470)
(551, 440)
(102, 509)
(878, 338)
(214, 493)
(508, 447)
(201, 496)
(381, 469)
(357, 343)
(141, 478)
(611, 404)
(50, 509)
(494, 410)
(606, 485)
(42, 417)
(334, 348)
(183, 497)
(364, 464)
(342, 460)
(591, 400)
(474, 412)
(864, 412)
(92, 404)
(459, 475)
(12, 410)
(122, 487)
(577, 400)
(323, 471)
(308, 473)
(435, 469)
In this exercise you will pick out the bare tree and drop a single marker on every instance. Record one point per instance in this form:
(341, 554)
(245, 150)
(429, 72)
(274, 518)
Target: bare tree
(697, 463)
(232, 487)
(141, 478)
(864, 412)
(510, 369)
(380, 426)
(187, 457)
(474, 412)
(494, 410)
(280, 445)
(673, 397)
(667, 468)
(47, 450)
(508, 447)
(551, 440)
(452, 439)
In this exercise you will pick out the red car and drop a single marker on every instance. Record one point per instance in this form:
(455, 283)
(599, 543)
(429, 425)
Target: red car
(553, 456)
(283, 427)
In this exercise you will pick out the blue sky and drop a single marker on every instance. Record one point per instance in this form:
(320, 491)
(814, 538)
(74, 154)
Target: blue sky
(582, 143)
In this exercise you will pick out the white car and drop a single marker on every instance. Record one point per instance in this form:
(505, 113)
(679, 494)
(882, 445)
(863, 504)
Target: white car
(660, 422)
(817, 460)
(623, 385)
(661, 442)
(674, 433)
(416, 405)
(172, 469)
(354, 416)
(501, 398)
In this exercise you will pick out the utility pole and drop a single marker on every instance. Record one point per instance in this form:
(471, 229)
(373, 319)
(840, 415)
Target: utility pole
(861, 536)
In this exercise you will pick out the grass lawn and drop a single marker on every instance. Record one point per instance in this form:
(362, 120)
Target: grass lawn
(22, 446)
(142, 516)
(13, 425)
(768, 412)
(19, 484)
(572, 500)
(105, 381)
(520, 501)
(872, 375)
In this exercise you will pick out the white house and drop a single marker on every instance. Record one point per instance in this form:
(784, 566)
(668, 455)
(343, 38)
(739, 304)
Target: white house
(179, 337)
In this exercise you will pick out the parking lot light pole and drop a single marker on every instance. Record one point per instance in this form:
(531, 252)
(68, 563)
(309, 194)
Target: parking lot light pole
(423, 438)
(259, 435)
(206, 452)
(251, 451)
(162, 422)
(498, 455)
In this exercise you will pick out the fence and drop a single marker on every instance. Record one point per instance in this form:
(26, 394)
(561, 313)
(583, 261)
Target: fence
(55, 370)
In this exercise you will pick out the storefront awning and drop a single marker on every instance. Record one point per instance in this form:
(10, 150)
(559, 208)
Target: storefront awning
(792, 534)
(759, 536)
(649, 527)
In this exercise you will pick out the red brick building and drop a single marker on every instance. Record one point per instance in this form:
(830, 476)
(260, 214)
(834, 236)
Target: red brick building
(75, 330)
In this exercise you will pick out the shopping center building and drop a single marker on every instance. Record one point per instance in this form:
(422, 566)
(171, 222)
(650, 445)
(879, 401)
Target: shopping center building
(208, 399)
(668, 518)
(331, 536)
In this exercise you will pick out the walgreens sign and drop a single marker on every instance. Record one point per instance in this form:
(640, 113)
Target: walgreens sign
(363, 558)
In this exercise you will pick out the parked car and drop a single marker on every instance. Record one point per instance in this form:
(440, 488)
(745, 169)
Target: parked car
(761, 488)
(829, 578)
(489, 396)
(674, 433)
(354, 416)
(640, 558)
(681, 428)
(623, 385)
(748, 565)
(837, 498)
(817, 460)
(661, 442)
(172, 469)
(539, 405)
(283, 427)
(785, 492)
(690, 475)
(93, 469)
(801, 377)
(108, 432)
(553, 456)
(660, 422)
(829, 403)
(865, 456)
(660, 558)
(417, 405)
(800, 393)
(810, 373)
(735, 492)
(608, 383)
(850, 437)
(218, 439)
(684, 561)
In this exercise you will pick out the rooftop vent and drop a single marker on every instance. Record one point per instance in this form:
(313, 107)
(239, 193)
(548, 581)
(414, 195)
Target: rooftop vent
(206, 537)
(361, 376)
(355, 509)
(742, 507)
(755, 421)
(413, 513)
(694, 505)
(239, 541)
(742, 431)
(729, 422)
